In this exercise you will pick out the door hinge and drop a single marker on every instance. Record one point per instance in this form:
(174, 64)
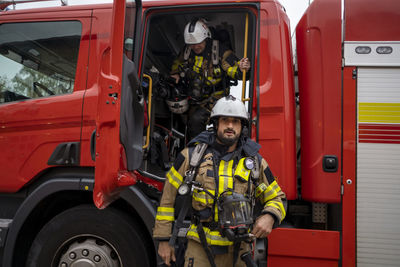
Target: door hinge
(354, 74)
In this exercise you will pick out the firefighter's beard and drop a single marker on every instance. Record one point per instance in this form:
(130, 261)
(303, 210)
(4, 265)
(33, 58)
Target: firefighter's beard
(227, 140)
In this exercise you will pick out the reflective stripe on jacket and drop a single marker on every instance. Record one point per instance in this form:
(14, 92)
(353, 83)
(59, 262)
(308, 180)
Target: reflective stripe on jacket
(229, 177)
(202, 64)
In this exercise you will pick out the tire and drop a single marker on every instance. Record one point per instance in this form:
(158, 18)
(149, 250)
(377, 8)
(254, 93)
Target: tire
(86, 236)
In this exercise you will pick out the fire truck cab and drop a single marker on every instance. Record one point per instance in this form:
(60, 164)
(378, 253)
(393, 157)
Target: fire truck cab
(84, 119)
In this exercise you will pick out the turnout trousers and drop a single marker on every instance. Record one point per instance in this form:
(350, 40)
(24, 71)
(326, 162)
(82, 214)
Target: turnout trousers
(195, 256)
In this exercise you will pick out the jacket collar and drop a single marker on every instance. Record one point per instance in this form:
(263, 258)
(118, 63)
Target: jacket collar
(245, 144)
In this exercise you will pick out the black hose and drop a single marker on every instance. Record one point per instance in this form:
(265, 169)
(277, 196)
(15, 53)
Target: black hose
(151, 176)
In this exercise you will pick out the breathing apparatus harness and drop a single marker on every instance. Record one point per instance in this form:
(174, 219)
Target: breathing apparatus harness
(196, 81)
(186, 188)
(234, 210)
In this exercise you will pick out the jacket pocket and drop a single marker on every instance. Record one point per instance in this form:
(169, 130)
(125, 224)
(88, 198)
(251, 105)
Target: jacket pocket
(202, 199)
(240, 186)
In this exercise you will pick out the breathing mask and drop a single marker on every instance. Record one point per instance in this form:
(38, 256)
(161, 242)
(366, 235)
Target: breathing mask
(235, 211)
(234, 216)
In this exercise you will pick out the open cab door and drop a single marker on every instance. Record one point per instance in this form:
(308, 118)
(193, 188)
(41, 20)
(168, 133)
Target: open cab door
(119, 123)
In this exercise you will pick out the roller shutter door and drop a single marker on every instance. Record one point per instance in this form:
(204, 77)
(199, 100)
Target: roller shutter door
(378, 167)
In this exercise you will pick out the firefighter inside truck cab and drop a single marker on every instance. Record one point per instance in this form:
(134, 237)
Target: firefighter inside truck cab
(205, 65)
(222, 174)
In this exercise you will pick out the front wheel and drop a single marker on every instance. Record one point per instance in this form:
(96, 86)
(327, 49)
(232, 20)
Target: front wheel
(86, 236)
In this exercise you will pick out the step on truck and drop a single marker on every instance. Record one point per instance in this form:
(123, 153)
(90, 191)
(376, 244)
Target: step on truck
(86, 134)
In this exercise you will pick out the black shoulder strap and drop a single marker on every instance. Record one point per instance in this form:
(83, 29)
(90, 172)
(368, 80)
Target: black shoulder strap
(195, 157)
(215, 52)
(196, 154)
(203, 240)
(256, 170)
(186, 52)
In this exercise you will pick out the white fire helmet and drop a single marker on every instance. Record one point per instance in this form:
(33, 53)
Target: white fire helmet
(178, 106)
(229, 106)
(196, 32)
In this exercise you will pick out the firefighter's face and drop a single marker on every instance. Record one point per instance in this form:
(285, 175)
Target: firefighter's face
(198, 48)
(229, 130)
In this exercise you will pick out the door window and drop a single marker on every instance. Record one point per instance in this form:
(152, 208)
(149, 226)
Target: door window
(38, 59)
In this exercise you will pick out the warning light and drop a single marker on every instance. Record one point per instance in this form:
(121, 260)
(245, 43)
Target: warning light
(384, 50)
(363, 49)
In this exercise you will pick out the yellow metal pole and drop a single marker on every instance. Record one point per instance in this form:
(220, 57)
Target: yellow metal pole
(149, 109)
(244, 56)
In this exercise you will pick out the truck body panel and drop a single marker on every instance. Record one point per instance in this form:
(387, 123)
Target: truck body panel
(320, 100)
(362, 24)
(275, 102)
(362, 58)
(37, 126)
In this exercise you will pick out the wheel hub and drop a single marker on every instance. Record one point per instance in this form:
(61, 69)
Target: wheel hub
(89, 253)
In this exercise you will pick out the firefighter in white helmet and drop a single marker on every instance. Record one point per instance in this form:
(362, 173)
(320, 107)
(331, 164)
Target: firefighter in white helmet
(229, 176)
(206, 65)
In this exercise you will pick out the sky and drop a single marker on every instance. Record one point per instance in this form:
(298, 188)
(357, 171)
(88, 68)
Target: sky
(294, 8)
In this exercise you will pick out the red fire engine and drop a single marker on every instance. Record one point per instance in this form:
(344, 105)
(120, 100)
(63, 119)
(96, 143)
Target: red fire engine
(86, 135)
